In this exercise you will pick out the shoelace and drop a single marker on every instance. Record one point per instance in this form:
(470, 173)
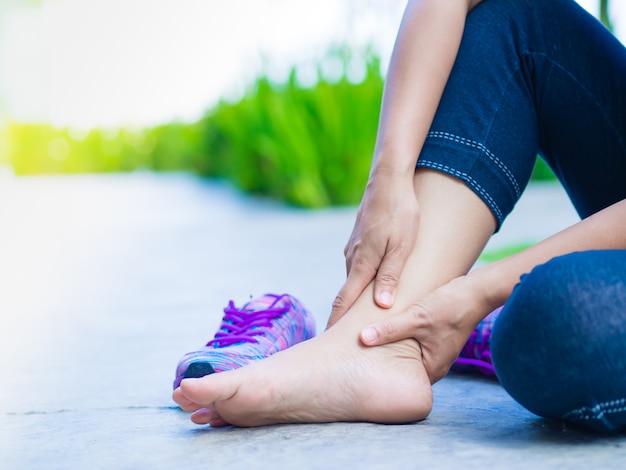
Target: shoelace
(241, 326)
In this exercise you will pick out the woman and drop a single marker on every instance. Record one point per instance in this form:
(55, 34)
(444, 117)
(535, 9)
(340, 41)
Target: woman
(475, 90)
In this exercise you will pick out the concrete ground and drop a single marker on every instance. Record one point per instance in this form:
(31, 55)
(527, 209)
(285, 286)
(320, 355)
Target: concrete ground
(105, 281)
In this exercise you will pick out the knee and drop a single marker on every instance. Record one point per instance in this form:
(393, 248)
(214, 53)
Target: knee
(558, 343)
(522, 338)
(505, 18)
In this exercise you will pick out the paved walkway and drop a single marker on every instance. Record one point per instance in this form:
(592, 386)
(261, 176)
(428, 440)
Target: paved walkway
(106, 280)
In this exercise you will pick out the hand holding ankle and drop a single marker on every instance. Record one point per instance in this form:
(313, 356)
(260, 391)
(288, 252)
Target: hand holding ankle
(441, 322)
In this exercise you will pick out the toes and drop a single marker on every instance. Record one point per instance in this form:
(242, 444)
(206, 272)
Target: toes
(182, 401)
(208, 416)
(202, 416)
(218, 422)
(209, 389)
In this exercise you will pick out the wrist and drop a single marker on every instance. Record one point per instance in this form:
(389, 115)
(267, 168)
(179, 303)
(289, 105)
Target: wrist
(490, 286)
(394, 163)
(395, 174)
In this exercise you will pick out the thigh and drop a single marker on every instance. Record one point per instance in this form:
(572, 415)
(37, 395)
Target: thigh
(534, 77)
(559, 344)
(579, 71)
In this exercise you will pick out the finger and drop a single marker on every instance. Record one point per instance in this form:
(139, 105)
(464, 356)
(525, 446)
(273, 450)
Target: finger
(392, 329)
(388, 276)
(350, 291)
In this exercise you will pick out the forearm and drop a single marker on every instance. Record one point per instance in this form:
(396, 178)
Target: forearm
(386, 226)
(426, 47)
(604, 230)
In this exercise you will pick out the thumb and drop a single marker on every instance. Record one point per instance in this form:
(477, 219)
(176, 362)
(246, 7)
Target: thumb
(387, 278)
(390, 330)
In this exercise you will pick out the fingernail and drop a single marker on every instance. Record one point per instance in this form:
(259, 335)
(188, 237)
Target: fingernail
(385, 298)
(369, 334)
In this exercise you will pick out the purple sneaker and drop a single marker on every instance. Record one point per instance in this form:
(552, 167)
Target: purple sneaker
(476, 354)
(262, 327)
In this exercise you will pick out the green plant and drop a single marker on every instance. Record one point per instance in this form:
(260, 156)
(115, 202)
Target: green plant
(43, 149)
(309, 146)
(542, 172)
(500, 253)
(604, 14)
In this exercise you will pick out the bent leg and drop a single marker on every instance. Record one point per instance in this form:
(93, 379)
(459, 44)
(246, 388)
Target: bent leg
(534, 77)
(333, 377)
(559, 345)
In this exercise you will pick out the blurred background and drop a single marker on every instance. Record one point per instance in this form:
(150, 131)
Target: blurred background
(279, 97)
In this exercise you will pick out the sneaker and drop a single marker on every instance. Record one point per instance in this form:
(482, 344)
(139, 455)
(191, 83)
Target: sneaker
(262, 327)
(476, 354)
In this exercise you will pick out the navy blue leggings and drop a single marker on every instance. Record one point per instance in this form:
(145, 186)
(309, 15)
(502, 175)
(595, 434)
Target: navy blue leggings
(545, 77)
(559, 344)
(534, 77)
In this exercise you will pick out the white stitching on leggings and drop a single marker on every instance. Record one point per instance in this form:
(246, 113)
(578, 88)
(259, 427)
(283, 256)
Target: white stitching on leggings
(472, 182)
(479, 146)
(597, 411)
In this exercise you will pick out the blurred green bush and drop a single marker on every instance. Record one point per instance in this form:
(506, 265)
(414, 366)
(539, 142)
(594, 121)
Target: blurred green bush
(310, 146)
(41, 149)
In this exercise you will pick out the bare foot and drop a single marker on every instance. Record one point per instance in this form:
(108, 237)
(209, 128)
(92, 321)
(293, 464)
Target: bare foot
(333, 377)
(329, 378)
